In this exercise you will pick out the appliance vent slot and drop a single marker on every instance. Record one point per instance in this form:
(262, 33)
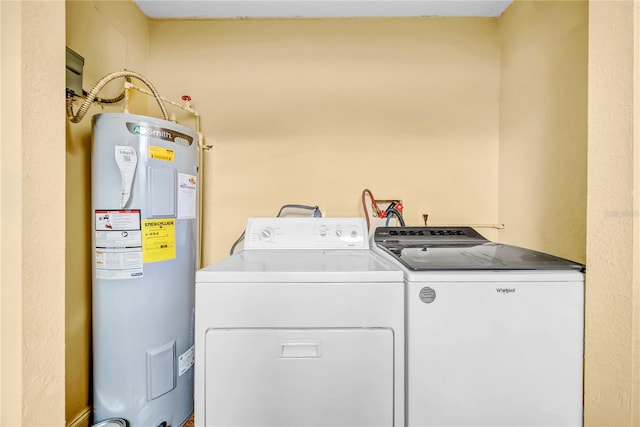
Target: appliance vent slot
(447, 233)
(407, 233)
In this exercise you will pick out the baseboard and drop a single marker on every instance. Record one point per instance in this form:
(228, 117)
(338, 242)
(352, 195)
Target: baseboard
(82, 419)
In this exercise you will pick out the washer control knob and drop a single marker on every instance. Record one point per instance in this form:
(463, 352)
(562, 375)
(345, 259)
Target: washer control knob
(354, 234)
(338, 233)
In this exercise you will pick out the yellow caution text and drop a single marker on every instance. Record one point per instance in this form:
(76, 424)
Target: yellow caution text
(158, 239)
(161, 153)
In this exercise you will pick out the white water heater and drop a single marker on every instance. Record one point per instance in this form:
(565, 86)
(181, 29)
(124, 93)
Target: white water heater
(144, 207)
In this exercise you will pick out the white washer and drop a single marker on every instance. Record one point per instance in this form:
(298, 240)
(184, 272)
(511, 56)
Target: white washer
(494, 332)
(304, 327)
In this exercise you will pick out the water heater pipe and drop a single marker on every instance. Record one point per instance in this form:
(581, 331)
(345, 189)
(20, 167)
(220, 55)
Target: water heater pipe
(186, 106)
(84, 107)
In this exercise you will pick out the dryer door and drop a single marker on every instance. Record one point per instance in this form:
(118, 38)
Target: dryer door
(299, 377)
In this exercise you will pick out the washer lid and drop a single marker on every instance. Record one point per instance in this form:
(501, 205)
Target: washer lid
(302, 266)
(461, 248)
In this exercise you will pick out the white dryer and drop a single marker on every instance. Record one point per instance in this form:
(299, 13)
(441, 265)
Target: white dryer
(494, 332)
(304, 327)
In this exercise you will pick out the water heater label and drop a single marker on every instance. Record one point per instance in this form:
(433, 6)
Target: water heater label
(126, 159)
(185, 361)
(161, 153)
(158, 239)
(118, 244)
(187, 196)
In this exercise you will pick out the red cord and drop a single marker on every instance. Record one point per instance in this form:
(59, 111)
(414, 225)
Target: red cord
(374, 206)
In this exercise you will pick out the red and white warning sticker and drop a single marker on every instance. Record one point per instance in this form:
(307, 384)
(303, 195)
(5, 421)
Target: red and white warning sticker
(118, 244)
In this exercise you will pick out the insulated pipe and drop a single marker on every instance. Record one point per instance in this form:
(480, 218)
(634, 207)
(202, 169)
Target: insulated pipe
(106, 100)
(84, 107)
(200, 192)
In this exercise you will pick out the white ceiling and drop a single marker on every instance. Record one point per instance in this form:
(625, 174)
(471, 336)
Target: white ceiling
(203, 9)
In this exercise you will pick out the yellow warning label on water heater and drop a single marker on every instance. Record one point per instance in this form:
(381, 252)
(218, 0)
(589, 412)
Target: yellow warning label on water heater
(161, 153)
(158, 239)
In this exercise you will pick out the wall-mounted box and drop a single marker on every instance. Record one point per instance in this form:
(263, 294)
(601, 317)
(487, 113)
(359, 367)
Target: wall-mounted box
(75, 65)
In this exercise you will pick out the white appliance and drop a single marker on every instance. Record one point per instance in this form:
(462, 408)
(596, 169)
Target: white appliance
(494, 332)
(304, 327)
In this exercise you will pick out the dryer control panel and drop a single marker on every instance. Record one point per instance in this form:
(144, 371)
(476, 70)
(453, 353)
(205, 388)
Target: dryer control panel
(306, 233)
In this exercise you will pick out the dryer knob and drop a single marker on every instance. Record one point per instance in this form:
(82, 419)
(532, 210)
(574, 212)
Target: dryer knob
(266, 234)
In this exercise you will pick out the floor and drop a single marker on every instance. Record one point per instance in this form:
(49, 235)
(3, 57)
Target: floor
(189, 423)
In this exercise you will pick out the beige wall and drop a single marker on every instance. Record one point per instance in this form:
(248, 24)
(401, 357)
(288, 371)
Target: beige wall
(543, 126)
(543, 155)
(32, 289)
(111, 36)
(32, 214)
(314, 111)
(612, 353)
(635, 352)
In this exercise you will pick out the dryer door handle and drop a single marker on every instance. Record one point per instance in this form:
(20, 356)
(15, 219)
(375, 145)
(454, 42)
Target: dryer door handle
(299, 349)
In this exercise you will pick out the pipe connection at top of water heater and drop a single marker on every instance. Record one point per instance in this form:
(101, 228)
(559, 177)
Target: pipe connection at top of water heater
(186, 105)
(91, 96)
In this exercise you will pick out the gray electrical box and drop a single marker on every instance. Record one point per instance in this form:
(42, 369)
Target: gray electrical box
(75, 64)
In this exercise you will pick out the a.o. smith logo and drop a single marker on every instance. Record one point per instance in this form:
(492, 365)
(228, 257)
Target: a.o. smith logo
(160, 133)
(505, 291)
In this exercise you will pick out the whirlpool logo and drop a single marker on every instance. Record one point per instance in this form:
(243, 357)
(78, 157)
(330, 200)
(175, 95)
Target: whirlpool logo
(505, 291)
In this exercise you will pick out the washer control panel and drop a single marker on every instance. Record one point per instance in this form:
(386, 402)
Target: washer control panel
(306, 233)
